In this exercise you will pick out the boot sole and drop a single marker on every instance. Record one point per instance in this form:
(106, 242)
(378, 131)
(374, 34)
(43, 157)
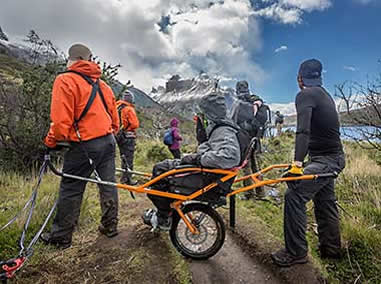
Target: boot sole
(296, 261)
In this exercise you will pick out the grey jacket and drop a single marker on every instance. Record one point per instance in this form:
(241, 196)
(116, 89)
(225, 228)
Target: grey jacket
(222, 149)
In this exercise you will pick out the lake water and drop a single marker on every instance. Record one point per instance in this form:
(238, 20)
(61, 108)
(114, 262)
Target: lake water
(347, 132)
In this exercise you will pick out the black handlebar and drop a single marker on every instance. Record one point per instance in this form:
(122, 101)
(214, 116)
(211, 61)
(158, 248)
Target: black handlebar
(328, 175)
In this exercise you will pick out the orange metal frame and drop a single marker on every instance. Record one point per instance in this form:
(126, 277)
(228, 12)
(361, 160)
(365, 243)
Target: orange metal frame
(179, 199)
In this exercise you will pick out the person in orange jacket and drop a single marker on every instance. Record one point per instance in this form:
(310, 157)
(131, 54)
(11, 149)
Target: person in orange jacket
(126, 137)
(90, 137)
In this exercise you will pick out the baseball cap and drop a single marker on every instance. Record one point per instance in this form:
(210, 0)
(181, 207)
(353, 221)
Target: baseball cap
(310, 71)
(79, 51)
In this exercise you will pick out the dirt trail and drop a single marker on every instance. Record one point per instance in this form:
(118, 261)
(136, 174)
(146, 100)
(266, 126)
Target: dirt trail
(231, 265)
(137, 255)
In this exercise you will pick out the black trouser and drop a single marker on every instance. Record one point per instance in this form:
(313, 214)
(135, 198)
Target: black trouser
(127, 150)
(102, 152)
(321, 191)
(176, 153)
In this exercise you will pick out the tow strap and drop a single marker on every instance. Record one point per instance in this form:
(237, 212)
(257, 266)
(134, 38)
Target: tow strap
(9, 267)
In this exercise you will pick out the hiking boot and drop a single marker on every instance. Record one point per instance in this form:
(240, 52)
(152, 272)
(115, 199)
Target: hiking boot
(110, 231)
(152, 218)
(283, 258)
(330, 253)
(47, 239)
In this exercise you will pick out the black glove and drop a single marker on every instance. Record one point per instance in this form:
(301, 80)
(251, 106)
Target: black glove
(192, 159)
(59, 146)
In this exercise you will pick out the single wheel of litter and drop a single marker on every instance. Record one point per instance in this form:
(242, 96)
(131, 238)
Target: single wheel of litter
(211, 232)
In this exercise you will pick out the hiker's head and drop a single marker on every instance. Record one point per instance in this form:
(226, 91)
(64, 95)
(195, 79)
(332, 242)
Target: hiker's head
(213, 106)
(242, 87)
(77, 52)
(277, 112)
(128, 97)
(309, 74)
(242, 90)
(174, 122)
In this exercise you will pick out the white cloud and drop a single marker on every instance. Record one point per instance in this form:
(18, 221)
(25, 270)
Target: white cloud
(290, 11)
(350, 68)
(308, 5)
(215, 36)
(218, 37)
(281, 48)
(286, 109)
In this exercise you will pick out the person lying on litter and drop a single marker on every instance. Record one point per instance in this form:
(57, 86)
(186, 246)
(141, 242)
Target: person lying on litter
(221, 151)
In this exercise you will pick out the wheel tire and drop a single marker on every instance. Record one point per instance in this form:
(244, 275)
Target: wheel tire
(214, 216)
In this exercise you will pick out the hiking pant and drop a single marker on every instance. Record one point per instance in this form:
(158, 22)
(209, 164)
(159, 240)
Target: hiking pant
(127, 150)
(102, 151)
(321, 191)
(176, 153)
(252, 167)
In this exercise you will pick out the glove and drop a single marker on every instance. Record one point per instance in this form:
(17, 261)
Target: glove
(293, 171)
(192, 159)
(59, 146)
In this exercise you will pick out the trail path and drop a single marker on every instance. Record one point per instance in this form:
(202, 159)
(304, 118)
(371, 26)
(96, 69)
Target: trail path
(137, 255)
(230, 265)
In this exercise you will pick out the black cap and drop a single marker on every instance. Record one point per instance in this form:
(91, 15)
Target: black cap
(310, 71)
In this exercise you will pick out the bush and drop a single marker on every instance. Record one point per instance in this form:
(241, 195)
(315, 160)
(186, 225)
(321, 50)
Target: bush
(25, 99)
(158, 153)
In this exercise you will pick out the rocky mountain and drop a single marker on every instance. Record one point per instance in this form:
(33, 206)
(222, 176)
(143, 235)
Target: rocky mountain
(183, 95)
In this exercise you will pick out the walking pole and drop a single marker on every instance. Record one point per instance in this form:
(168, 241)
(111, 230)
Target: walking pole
(232, 212)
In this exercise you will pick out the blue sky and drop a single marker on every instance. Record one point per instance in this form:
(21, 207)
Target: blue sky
(228, 39)
(346, 37)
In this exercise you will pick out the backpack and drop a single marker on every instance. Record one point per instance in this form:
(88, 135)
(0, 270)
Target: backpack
(168, 137)
(243, 138)
(246, 120)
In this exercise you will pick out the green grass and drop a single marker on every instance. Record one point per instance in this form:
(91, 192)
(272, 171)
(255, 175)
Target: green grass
(358, 190)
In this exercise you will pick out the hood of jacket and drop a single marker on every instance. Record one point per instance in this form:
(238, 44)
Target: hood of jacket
(174, 122)
(213, 106)
(88, 68)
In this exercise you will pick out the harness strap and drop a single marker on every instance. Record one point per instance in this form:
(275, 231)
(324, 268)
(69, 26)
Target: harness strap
(96, 89)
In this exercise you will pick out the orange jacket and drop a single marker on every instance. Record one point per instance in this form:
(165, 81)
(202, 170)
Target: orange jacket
(130, 121)
(69, 97)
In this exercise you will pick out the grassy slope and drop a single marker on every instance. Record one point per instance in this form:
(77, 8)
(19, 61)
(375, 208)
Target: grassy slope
(135, 255)
(359, 193)
(358, 190)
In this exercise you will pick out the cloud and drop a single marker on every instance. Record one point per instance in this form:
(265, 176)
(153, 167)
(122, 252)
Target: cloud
(350, 68)
(155, 39)
(290, 11)
(286, 109)
(151, 39)
(281, 48)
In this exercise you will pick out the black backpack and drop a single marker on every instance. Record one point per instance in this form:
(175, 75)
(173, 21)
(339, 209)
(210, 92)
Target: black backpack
(246, 120)
(243, 138)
